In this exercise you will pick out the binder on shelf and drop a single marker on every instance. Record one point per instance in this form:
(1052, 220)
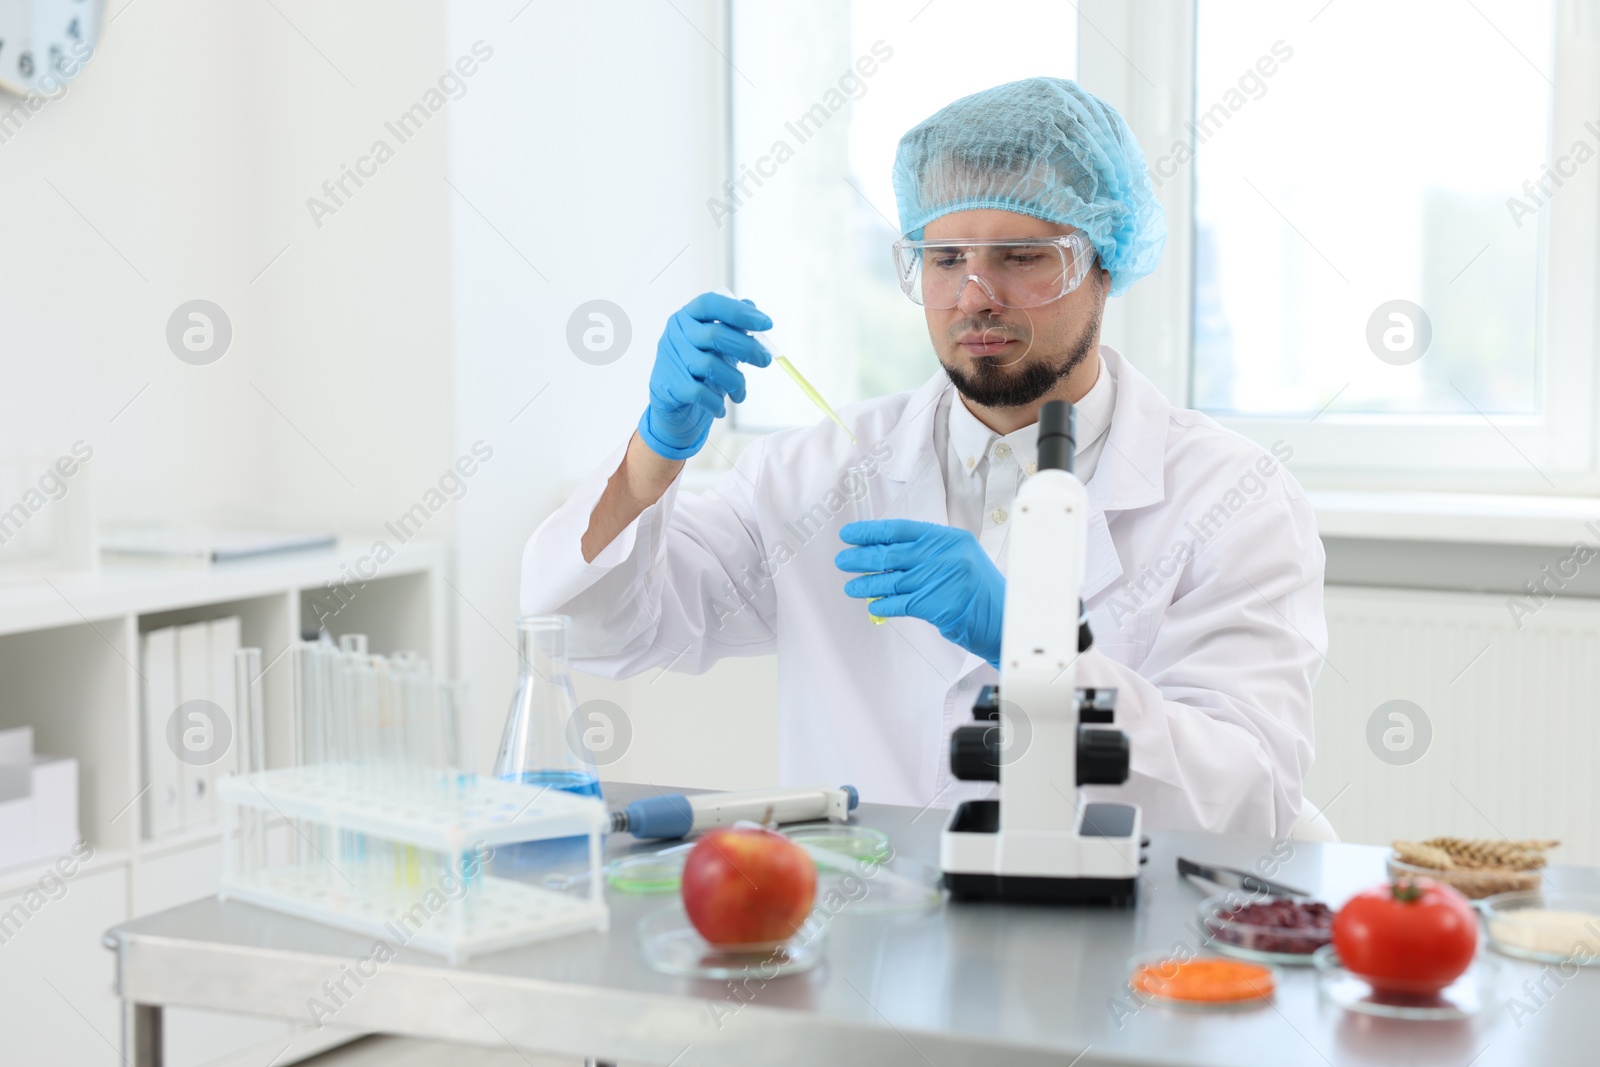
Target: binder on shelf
(184, 664)
(196, 728)
(163, 799)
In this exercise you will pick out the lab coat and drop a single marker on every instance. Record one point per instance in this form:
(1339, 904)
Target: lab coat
(1203, 581)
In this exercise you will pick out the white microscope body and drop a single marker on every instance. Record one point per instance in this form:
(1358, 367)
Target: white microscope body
(1042, 840)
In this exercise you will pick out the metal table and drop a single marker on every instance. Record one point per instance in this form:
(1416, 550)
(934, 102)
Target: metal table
(966, 984)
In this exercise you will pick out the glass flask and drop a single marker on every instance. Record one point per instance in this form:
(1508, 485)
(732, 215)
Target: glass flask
(538, 746)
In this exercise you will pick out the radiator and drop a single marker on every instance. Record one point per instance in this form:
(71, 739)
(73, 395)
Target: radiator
(1510, 709)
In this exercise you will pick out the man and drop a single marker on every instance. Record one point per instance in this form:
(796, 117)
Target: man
(1023, 207)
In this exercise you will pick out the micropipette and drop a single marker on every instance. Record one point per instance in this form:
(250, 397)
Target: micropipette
(811, 391)
(677, 815)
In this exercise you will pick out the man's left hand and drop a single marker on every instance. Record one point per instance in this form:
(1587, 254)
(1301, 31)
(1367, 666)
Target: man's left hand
(939, 574)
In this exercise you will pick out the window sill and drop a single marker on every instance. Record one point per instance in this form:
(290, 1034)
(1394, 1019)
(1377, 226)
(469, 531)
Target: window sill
(1457, 518)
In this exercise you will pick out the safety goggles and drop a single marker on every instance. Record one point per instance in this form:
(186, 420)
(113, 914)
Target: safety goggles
(1015, 274)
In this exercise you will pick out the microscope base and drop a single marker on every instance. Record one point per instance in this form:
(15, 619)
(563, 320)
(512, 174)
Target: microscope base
(971, 848)
(1038, 889)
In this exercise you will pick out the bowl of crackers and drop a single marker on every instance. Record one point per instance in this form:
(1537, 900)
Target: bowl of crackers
(1479, 867)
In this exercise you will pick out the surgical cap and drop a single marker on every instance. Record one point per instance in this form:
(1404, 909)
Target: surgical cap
(1042, 147)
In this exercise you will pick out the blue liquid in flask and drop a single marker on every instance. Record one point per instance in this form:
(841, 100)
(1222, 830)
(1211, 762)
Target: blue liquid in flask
(580, 783)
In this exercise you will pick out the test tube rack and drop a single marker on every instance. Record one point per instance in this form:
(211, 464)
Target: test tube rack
(401, 854)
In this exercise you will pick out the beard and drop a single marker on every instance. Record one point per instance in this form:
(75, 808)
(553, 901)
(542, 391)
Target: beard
(995, 382)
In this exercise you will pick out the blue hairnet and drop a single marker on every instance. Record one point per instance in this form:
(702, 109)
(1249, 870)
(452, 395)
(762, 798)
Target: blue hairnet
(1042, 147)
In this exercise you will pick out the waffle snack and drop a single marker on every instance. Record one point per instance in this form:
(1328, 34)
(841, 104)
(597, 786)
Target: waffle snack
(1482, 853)
(1479, 867)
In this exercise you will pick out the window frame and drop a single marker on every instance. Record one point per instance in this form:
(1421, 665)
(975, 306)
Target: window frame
(1553, 452)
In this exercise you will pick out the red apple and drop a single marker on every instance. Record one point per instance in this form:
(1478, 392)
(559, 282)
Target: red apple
(748, 886)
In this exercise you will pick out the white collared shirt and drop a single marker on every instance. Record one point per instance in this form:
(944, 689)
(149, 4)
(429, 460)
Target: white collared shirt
(983, 469)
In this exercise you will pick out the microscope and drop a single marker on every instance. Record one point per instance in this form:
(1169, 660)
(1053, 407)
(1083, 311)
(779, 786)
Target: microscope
(1040, 736)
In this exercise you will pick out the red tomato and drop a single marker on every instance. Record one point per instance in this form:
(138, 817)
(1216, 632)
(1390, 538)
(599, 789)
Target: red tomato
(1412, 937)
(748, 886)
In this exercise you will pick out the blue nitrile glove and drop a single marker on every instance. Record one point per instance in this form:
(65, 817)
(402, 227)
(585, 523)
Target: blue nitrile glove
(696, 366)
(939, 574)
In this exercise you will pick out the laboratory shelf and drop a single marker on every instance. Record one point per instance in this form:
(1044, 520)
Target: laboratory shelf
(70, 653)
(27, 876)
(117, 589)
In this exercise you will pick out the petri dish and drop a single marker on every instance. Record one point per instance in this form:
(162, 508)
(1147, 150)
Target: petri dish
(853, 842)
(1475, 884)
(1462, 999)
(669, 943)
(858, 872)
(1544, 927)
(649, 872)
(1156, 978)
(889, 887)
(1291, 946)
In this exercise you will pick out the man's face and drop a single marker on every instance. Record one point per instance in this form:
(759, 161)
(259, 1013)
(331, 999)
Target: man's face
(1011, 357)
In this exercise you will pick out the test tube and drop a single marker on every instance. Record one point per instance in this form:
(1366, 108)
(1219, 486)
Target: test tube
(358, 692)
(861, 487)
(330, 691)
(247, 704)
(307, 703)
(454, 705)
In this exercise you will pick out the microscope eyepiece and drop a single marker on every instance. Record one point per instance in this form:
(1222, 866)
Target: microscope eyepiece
(1058, 435)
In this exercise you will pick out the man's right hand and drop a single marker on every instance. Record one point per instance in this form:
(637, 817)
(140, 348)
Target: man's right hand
(697, 368)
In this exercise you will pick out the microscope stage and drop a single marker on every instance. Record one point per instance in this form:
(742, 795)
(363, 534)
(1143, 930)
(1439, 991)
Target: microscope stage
(1097, 864)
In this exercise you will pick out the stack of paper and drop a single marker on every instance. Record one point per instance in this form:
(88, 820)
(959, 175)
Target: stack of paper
(181, 544)
(38, 801)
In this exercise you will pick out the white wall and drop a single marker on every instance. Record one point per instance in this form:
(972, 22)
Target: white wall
(152, 146)
(590, 154)
(191, 144)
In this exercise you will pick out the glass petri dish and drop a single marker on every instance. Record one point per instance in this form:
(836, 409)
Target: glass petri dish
(649, 872)
(1152, 978)
(890, 887)
(1289, 946)
(1462, 999)
(1474, 884)
(854, 842)
(669, 943)
(1544, 927)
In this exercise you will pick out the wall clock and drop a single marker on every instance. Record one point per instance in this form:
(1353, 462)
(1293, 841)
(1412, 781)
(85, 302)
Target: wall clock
(45, 43)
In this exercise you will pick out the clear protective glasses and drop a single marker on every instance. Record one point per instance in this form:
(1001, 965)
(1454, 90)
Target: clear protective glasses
(1026, 273)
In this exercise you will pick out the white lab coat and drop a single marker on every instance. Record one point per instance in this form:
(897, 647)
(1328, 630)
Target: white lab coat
(1203, 581)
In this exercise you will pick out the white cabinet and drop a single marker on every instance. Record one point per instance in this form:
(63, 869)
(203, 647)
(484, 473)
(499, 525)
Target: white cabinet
(69, 667)
(57, 1001)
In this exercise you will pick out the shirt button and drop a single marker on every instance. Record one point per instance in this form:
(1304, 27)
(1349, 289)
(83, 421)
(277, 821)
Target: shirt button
(971, 462)
(1033, 468)
(998, 515)
(1002, 451)
(963, 685)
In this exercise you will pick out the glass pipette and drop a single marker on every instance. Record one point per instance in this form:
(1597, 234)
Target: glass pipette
(810, 391)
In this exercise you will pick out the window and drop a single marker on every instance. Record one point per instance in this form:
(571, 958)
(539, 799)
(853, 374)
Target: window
(821, 93)
(1393, 223)
(1374, 164)
(1384, 217)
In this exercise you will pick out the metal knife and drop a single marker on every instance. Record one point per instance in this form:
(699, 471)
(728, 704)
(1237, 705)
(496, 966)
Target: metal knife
(1230, 878)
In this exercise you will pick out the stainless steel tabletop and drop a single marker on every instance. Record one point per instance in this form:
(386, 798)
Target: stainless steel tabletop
(966, 984)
